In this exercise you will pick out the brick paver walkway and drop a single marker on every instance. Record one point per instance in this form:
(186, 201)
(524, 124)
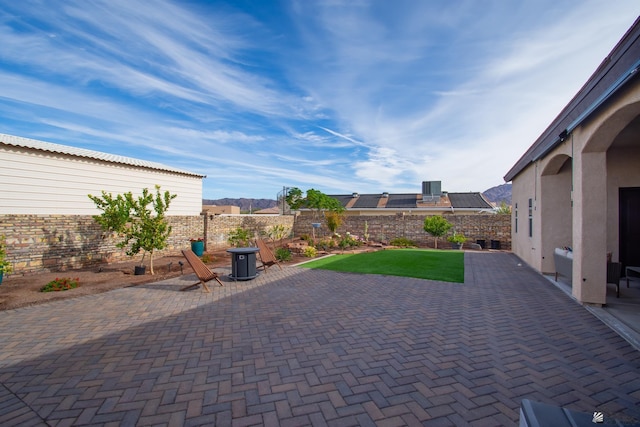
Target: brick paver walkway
(301, 347)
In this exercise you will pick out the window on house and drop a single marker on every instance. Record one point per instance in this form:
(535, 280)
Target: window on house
(530, 217)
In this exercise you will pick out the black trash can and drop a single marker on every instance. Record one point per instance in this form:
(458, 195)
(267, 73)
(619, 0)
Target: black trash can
(243, 263)
(482, 243)
(495, 244)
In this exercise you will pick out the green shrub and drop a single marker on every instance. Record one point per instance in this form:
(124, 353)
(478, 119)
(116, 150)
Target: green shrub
(283, 254)
(63, 284)
(326, 244)
(239, 237)
(348, 241)
(403, 242)
(310, 252)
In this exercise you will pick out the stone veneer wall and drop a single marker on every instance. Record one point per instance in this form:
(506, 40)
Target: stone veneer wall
(384, 228)
(61, 242)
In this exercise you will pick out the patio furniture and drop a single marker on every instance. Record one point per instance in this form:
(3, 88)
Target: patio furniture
(201, 270)
(563, 259)
(614, 270)
(266, 256)
(631, 269)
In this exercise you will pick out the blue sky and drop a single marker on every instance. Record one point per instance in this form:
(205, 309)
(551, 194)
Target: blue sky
(338, 95)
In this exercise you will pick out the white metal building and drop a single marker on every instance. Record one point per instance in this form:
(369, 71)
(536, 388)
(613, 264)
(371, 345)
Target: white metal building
(42, 178)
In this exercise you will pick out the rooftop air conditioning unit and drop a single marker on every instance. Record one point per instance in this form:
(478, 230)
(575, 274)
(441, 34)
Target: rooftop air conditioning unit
(355, 195)
(431, 190)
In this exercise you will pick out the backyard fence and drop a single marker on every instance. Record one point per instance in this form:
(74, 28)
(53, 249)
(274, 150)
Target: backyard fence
(37, 243)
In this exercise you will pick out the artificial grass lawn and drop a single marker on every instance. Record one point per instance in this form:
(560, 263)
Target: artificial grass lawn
(447, 266)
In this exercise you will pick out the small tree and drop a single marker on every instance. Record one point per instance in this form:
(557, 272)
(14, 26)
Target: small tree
(437, 226)
(503, 209)
(333, 220)
(315, 200)
(141, 227)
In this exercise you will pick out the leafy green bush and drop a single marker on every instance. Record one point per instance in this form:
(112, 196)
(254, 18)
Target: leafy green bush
(349, 241)
(310, 252)
(63, 284)
(283, 254)
(239, 237)
(403, 242)
(326, 244)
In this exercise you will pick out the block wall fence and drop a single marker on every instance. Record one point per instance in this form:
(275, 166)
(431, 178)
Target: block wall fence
(37, 243)
(384, 228)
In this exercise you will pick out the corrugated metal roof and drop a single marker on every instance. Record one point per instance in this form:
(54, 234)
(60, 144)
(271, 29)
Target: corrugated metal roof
(33, 144)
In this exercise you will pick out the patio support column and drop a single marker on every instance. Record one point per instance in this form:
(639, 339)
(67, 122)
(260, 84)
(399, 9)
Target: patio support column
(589, 228)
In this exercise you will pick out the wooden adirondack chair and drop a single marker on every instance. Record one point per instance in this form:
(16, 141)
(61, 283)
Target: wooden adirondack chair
(266, 256)
(202, 271)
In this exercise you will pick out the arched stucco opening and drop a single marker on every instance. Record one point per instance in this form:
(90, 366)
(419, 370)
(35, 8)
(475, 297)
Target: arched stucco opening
(606, 164)
(556, 212)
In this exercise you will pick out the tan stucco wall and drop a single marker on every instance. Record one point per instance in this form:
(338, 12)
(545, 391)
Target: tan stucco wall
(523, 189)
(600, 168)
(556, 212)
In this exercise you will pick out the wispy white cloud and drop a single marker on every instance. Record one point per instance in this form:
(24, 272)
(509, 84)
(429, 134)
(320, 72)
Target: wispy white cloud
(340, 96)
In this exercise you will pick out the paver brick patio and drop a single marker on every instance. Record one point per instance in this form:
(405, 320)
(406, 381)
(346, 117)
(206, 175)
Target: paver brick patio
(311, 347)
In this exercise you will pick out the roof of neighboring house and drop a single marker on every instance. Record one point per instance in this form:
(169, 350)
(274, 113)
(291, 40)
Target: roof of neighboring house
(615, 71)
(33, 144)
(412, 201)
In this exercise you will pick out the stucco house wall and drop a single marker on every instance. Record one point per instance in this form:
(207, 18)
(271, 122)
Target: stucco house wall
(575, 171)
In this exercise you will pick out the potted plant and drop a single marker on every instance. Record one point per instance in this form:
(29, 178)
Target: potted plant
(134, 221)
(5, 266)
(197, 246)
(457, 239)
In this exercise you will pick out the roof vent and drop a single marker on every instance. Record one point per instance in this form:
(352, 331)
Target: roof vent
(431, 190)
(355, 195)
(385, 194)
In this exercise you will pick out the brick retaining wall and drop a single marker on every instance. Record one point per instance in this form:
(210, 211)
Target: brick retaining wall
(60, 242)
(384, 228)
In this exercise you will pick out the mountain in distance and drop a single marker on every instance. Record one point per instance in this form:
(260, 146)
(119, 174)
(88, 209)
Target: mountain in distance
(496, 194)
(243, 204)
(499, 194)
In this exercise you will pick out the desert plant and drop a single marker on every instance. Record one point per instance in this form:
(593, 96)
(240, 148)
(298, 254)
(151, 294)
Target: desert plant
(63, 284)
(333, 220)
(207, 258)
(326, 244)
(239, 237)
(278, 232)
(5, 266)
(503, 209)
(310, 252)
(283, 254)
(402, 242)
(437, 226)
(366, 231)
(134, 220)
(457, 238)
(348, 241)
